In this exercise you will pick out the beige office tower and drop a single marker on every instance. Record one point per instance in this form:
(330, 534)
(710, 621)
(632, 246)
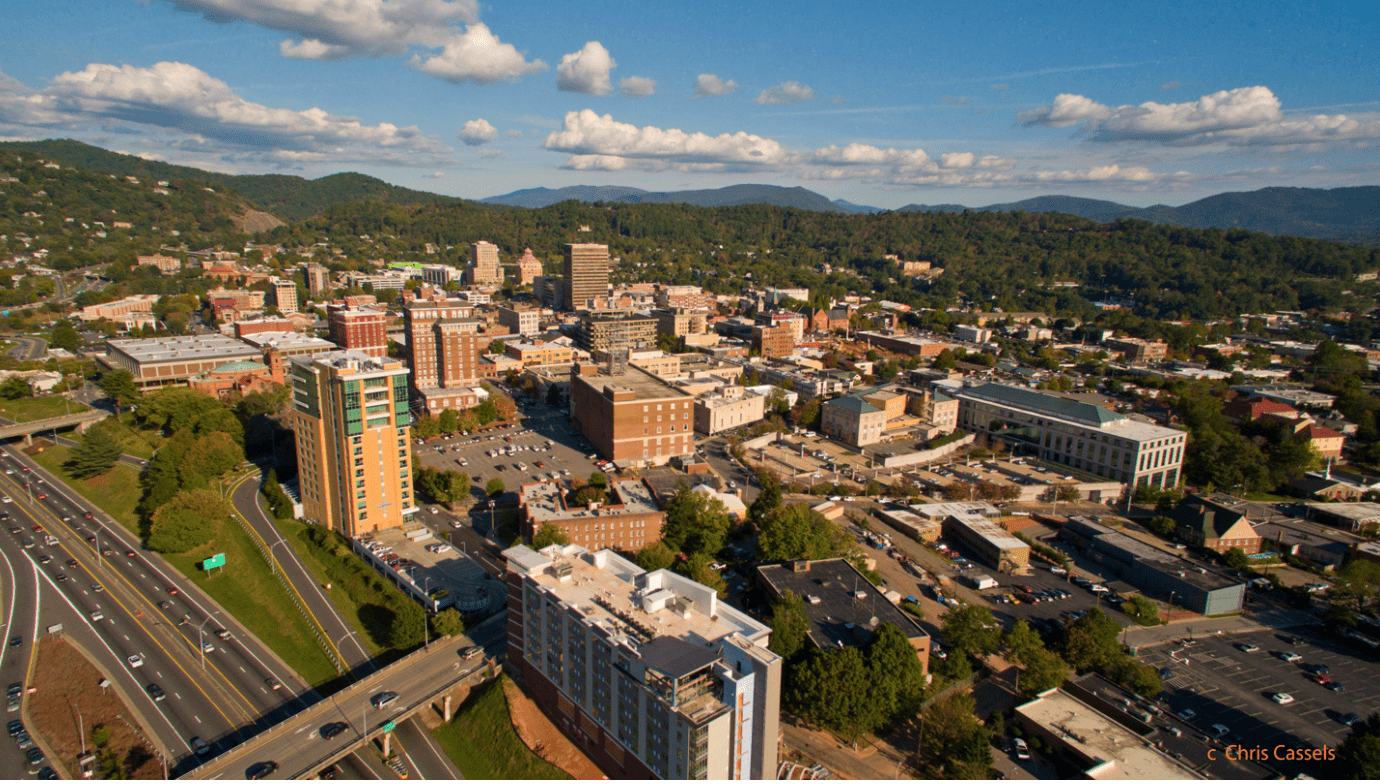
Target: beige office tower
(351, 420)
(484, 267)
(586, 275)
(285, 295)
(528, 267)
(318, 280)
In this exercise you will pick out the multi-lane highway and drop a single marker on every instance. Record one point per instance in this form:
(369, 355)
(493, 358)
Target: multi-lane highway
(221, 694)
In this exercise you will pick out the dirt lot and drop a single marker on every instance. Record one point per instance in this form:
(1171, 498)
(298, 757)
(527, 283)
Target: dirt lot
(545, 739)
(68, 683)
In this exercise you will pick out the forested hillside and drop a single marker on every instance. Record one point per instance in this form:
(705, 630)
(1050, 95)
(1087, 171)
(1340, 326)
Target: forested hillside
(1010, 260)
(288, 197)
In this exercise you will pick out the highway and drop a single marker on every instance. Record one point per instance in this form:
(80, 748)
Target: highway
(174, 614)
(297, 747)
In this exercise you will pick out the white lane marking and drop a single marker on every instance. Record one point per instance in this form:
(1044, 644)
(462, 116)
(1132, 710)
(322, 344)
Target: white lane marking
(14, 588)
(179, 696)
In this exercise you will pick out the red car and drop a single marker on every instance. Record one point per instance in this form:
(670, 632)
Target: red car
(172, 591)
(41, 496)
(89, 516)
(38, 529)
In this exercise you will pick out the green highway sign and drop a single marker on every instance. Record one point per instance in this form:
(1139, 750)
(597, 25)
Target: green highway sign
(389, 726)
(216, 560)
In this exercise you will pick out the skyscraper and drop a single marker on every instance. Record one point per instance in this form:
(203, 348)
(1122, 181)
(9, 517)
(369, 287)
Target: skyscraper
(351, 420)
(443, 348)
(586, 275)
(484, 267)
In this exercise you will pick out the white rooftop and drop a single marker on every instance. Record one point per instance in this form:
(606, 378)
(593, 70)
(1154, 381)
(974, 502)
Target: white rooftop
(1119, 754)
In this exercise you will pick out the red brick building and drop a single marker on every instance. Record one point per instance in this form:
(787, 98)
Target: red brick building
(632, 415)
(358, 328)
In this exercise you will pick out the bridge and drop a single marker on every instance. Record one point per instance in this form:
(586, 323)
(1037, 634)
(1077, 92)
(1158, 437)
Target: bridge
(419, 679)
(80, 420)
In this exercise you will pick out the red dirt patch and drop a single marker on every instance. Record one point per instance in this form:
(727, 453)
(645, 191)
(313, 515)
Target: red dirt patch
(68, 683)
(542, 737)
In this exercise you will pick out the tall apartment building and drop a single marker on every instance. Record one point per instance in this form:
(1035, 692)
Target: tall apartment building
(351, 422)
(631, 415)
(520, 321)
(549, 290)
(586, 274)
(484, 268)
(679, 322)
(615, 333)
(528, 267)
(443, 348)
(358, 328)
(285, 295)
(318, 280)
(655, 676)
(1086, 437)
(776, 341)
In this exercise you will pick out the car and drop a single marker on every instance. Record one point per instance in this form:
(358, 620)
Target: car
(1187, 714)
(208, 647)
(129, 553)
(156, 692)
(1247, 647)
(6, 499)
(1318, 669)
(1165, 672)
(137, 660)
(46, 773)
(1281, 698)
(1021, 748)
(1349, 719)
(173, 592)
(433, 510)
(471, 652)
(383, 699)
(88, 516)
(14, 689)
(35, 757)
(165, 605)
(97, 588)
(15, 727)
(1290, 656)
(12, 704)
(201, 747)
(224, 634)
(41, 497)
(60, 577)
(15, 642)
(1219, 731)
(1336, 686)
(97, 615)
(272, 684)
(333, 729)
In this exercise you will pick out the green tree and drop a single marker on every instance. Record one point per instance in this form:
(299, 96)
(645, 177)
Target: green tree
(655, 556)
(1137, 677)
(448, 623)
(449, 421)
(956, 745)
(695, 523)
(549, 534)
(495, 487)
(795, 532)
(1042, 670)
(789, 626)
(697, 568)
(1091, 641)
(971, 629)
(898, 678)
(279, 505)
(1235, 558)
(1359, 755)
(188, 520)
(65, 336)
(14, 388)
(497, 346)
(458, 483)
(431, 483)
(95, 455)
(767, 500)
(408, 628)
(207, 458)
(1021, 638)
(832, 688)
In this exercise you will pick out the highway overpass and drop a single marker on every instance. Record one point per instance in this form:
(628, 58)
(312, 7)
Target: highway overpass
(419, 679)
(81, 421)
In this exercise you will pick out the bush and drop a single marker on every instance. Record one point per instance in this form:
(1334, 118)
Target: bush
(187, 521)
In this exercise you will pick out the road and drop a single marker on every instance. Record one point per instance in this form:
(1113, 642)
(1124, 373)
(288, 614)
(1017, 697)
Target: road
(29, 348)
(235, 676)
(297, 746)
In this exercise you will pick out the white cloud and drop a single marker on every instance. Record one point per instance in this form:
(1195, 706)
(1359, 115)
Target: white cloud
(476, 55)
(954, 101)
(637, 86)
(711, 86)
(434, 175)
(477, 132)
(786, 92)
(207, 117)
(1242, 116)
(587, 133)
(338, 29)
(586, 71)
(599, 143)
(1110, 173)
(513, 133)
(491, 154)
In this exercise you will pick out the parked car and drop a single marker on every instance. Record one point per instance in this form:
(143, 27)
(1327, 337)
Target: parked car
(1247, 647)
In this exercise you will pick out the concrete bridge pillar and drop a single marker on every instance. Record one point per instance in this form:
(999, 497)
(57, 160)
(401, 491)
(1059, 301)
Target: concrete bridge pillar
(83, 425)
(446, 708)
(387, 744)
(28, 439)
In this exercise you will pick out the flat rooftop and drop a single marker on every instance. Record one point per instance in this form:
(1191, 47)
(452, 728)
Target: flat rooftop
(989, 531)
(603, 586)
(545, 501)
(642, 384)
(1118, 753)
(839, 601)
(193, 347)
(289, 341)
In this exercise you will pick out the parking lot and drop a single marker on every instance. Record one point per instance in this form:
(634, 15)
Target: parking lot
(1222, 684)
(1058, 611)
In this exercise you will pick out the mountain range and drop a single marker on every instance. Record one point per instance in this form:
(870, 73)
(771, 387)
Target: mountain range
(1349, 215)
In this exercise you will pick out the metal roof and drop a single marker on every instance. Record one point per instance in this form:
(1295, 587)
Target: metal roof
(1051, 405)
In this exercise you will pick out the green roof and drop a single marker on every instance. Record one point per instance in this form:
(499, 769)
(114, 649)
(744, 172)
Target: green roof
(854, 404)
(1052, 405)
(240, 366)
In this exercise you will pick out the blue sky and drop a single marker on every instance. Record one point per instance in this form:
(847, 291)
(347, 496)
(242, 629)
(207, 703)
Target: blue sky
(881, 103)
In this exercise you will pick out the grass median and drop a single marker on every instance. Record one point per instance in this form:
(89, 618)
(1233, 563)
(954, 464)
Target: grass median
(363, 598)
(481, 741)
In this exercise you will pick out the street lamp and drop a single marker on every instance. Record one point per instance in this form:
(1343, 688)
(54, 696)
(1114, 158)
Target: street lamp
(201, 639)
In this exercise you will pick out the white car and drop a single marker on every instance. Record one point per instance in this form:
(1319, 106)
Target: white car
(6, 499)
(136, 660)
(98, 616)
(1282, 698)
(207, 647)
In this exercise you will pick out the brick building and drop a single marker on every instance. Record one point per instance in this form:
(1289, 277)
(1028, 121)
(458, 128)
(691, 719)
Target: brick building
(631, 415)
(358, 328)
